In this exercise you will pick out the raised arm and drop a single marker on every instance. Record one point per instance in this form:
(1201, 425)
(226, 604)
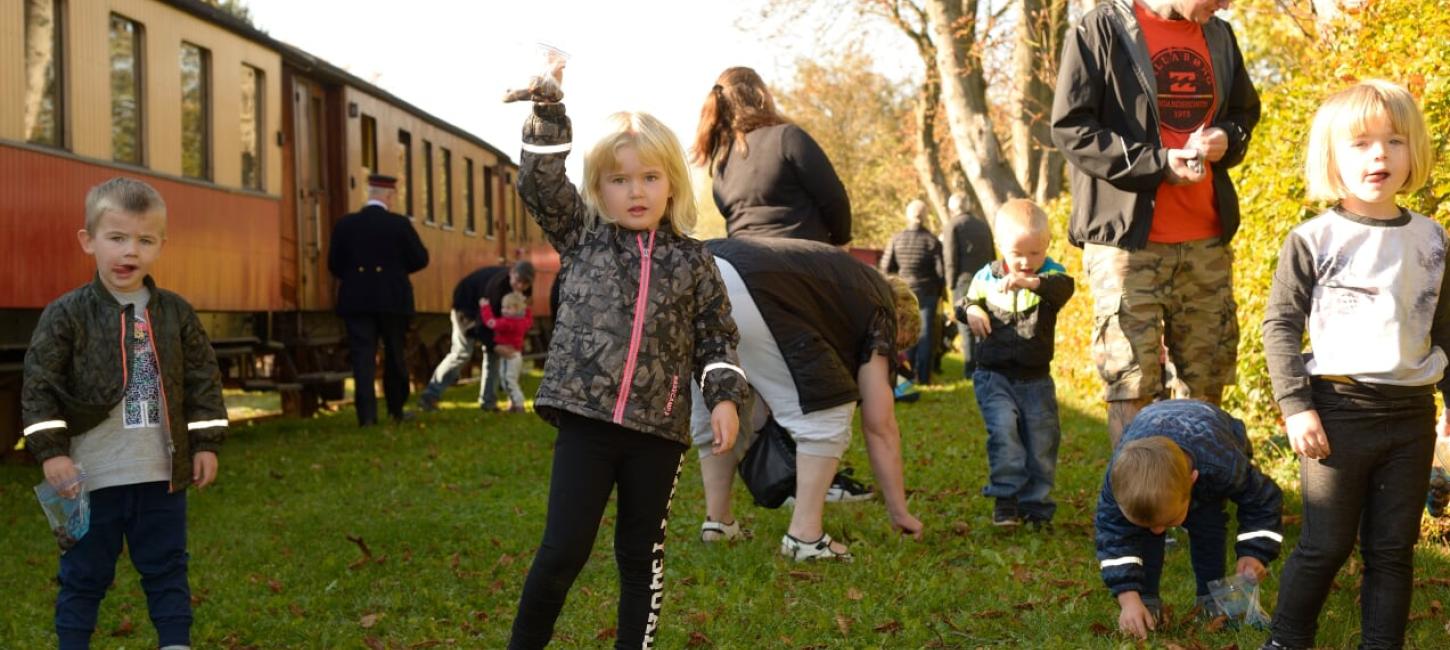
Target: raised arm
(543, 183)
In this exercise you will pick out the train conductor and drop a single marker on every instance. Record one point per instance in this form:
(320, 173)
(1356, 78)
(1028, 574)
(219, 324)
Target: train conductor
(372, 253)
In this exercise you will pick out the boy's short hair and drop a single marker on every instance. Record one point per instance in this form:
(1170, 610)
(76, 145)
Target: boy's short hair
(126, 195)
(1150, 478)
(656, 145)
(908, 310)
(1020, 216)
(1349, 111)
(514, 301)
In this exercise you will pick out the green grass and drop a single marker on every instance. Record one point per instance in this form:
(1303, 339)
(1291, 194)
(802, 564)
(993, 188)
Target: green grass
(452, 506)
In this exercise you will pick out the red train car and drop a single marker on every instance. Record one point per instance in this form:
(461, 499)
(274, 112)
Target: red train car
(258, 148)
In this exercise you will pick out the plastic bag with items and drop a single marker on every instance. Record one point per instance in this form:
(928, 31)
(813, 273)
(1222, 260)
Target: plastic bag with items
(1237, 597)
(69, 517)
(544, 86)
(1438, 499)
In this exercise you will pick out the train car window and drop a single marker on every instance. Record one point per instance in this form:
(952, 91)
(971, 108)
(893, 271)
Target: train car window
(195, 111)
(126, 104)
(428, 214)
(488, 226)
(469, 221)
(252, 127)
(445, 198)
(44, 73)
(370, 143)
(405, 170)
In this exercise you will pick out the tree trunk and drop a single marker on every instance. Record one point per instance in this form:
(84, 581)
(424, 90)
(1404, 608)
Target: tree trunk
(927, 160)
(1034, 68)
(952, 26)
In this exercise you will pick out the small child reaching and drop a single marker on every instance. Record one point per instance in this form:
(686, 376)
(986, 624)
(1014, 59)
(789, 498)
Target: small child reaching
(1177, 464)
(643, 311)
(1011, 307)
(145, 417)
(1366, 279)
(508, 341)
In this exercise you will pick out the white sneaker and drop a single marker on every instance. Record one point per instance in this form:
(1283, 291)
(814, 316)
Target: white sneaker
(802, 551)
(715, 531)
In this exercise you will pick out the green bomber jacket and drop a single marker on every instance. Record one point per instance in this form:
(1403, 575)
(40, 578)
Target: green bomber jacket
(77, 367)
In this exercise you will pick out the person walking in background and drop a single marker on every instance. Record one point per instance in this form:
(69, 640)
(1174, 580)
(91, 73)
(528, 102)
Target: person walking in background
(967, 248)
(1153, 106)
(769, 178)
(1366, 281)
(915, 255)
(372, 253)
(1012, 306)
(491, 284)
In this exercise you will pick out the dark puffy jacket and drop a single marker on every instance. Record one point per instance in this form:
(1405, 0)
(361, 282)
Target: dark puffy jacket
(1023, 321)
(77, 366)
(915, 255)
(641, 313)
(1105, 121)
(1219, 449)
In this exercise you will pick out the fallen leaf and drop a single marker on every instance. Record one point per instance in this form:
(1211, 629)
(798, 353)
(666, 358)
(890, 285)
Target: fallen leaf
(373, 643)
(806, 576)
(274, 585)
(1019, 574)
(961, 528)
(431, 643)
(853, 593)
(1027, 606)
(1231, 646)
(1216, 624)
(843, 624)
(369, 620)
(479, 615)
(697, 640)
(297, 611)
(991, 613)
(889, 627)
(605, 634)
(1436, 609)
(698, 617)
(1098, 629)
(1061, 583)
(125, 628)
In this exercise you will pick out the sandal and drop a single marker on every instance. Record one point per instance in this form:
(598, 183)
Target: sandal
(803, 551)
(715, 531)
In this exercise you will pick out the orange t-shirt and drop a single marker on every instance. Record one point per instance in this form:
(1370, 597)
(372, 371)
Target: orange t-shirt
(1183, 72)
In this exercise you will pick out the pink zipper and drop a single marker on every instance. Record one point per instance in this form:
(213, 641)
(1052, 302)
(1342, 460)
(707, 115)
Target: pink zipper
(125, 365)
(640, 307)
(161, 387)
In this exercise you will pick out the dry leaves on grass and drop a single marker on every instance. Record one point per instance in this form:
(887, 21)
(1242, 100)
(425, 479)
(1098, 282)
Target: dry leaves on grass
(853, 593)
(698, 640)
(125, 628)
(843, 624)
(369, 620)
(1098, 629)
(373, 643)
(889, 627)
(806, 576)
(275, 585)
(605, 634)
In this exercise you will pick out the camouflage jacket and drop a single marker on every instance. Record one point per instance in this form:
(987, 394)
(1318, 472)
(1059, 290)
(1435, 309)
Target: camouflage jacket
(77, 367)
(641, 313)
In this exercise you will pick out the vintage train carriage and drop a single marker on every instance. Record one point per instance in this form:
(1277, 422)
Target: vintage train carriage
(258, 148)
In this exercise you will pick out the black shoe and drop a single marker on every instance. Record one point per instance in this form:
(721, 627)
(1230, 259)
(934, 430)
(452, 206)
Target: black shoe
(844, 488)
(1004, 514)
(428, 403)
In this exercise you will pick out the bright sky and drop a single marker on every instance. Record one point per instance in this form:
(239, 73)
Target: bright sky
(456, 58)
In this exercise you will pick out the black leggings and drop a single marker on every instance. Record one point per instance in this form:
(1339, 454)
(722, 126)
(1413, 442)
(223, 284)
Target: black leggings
(591, 457)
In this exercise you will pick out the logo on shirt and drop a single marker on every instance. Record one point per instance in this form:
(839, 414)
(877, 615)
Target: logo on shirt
(1185, 88)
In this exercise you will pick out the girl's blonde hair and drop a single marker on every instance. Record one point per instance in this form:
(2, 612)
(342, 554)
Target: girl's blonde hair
(515, 301)
(656, 144)
(1349, 112)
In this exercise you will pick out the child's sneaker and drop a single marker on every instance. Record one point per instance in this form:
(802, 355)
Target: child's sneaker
(845, 488)
(802, 551)
(715, 531)
(1005, 513)
(516, 408)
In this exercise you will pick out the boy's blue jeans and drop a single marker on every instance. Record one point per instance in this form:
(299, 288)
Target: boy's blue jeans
(1022, 439)
(152, 524)
(1207, 528)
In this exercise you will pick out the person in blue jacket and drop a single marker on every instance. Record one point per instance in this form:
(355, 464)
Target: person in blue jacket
(1176, 465)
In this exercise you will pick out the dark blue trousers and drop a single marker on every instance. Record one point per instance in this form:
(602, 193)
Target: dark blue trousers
(363, 333)
(152, 524)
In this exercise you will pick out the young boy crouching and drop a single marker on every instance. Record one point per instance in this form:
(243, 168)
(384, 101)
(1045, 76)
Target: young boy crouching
(1176, 465)
(120, 378)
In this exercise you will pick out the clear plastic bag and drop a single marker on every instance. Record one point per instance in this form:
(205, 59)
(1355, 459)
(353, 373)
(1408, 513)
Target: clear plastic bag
(1237, 598)
(1438, 499)
(70, 518)
(545, 84)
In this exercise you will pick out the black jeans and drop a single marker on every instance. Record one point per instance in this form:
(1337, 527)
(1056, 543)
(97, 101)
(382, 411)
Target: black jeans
(591, 457)
(1372, 486)
(363, 332)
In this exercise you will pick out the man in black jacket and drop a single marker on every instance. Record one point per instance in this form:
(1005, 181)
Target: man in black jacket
(490, 283)
(915, 255)
(968, 248)
(372, 253)
(1153, 106)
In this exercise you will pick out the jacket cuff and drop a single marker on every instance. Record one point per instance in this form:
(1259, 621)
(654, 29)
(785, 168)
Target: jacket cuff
(724, 382)
(46, 440)
(1294, 404)
(1263, 549)
(547, 130)
(207, 435)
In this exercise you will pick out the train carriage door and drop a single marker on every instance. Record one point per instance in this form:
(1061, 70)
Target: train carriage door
(309, 122)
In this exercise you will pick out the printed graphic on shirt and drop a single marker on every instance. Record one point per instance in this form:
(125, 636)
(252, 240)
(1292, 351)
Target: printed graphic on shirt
(143, 392)
(1185, 88)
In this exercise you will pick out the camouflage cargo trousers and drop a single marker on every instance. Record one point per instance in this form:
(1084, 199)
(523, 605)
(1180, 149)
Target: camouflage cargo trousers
(1164, 319)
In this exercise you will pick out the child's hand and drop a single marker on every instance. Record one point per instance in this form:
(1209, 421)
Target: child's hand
(203, 468)
(978, 322)
(725, 426)
(1134, 619)
(61, 473)
(1306, 435)
(1253, 569)
(1023, 280)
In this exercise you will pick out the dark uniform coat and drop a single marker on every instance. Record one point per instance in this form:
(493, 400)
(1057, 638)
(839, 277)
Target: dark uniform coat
(372, 253)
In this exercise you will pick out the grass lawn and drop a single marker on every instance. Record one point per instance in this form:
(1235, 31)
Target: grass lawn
(321, 535)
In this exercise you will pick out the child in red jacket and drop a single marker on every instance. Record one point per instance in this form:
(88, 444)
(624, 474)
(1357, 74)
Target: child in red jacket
(508, 341)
